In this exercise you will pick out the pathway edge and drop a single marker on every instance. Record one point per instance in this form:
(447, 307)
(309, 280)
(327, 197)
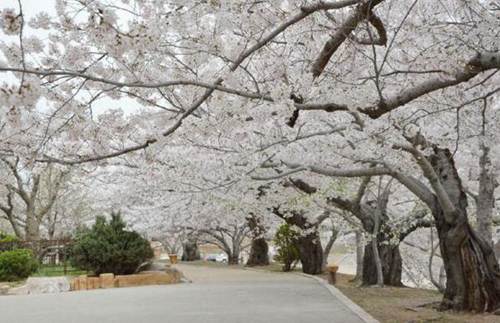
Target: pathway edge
(346, 301)
(360, 312)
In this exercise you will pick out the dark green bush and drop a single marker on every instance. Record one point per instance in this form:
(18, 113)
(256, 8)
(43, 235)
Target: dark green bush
(17, 264)
(287, 252)
(109, 248)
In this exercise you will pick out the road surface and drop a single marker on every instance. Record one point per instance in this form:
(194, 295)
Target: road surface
(217, 295)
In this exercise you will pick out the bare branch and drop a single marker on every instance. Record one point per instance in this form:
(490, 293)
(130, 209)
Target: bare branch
(480, 63)
(361, 12)
(376, 22)
(475, 66)
(443, 198)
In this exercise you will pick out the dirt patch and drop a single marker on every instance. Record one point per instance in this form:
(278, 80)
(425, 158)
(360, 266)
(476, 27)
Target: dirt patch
(404, 304)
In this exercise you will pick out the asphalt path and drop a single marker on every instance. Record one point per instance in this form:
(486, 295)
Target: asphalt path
(215, 294)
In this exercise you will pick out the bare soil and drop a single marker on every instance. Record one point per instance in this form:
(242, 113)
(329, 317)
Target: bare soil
(391, 304)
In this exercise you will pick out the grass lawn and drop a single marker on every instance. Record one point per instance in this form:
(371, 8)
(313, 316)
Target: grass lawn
(274, 266)
(49, 271)
(209, 264)
(57, 270)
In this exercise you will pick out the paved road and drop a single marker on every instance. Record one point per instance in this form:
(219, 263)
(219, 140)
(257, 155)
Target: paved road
(217, 295)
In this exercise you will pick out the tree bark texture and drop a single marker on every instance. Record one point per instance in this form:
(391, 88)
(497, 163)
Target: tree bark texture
(391, 262)
(473, 276)
(190, 251)
(259, 253)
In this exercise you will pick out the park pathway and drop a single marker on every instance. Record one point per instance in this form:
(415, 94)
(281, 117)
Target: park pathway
(216, 294)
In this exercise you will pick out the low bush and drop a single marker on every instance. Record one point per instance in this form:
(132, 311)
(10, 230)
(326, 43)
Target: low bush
(6, 238)
(109, 248)
(287, 251)
(8, 242)
(17, 264)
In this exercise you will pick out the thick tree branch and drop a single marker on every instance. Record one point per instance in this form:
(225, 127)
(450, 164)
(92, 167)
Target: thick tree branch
(444, 200)
(480, 63)
(361, 12)
(376, 22)
(412, 184)
(20, 190)
(475, 66)
(303, 186)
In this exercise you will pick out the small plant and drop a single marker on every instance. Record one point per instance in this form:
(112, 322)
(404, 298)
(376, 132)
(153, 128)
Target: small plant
(6, 238)
(8, 242)
(109, 248)
(17, 264)
(286, 243)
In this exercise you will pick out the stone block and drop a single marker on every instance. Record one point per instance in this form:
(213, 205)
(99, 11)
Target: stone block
(47, 285)
(4, 288)
(81, 282)
(93, 283)
(332, 274)
(176, 274)
(107, 280)
(152, 278)
(21, 290)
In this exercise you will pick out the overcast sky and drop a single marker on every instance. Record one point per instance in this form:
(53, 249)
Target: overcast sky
(30, 7)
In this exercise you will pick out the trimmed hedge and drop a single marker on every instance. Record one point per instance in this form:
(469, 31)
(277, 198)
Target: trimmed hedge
(109, 248)
(17, 264)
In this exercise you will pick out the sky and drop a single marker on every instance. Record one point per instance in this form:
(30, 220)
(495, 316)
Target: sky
(30, 7)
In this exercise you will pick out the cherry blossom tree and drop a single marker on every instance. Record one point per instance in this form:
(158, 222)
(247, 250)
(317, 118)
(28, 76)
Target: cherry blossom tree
(345, 88)
(29, 195)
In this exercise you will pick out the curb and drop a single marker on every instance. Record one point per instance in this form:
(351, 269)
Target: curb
(355, 308)
(361, 313)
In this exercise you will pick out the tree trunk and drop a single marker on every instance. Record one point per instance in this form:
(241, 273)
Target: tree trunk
(391, 262)
(15, 227)
(388, 255)
(233, 259)
(473, 276)
(52, 222)
(485, 197)
(259, 250)
(311, 254)
(328, 247)
(359, 257)
(287, 266)
(32, 227)
(378, 264)
(376, 254)
(310, 250)
(259, 253)
(190, 251)
(437, 283)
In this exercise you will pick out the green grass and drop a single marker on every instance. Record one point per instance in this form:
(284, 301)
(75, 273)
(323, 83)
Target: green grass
(274, 266)
(209, 264)
(57, 270)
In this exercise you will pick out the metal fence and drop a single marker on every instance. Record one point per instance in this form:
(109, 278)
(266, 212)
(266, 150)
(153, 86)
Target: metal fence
(48, 252)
